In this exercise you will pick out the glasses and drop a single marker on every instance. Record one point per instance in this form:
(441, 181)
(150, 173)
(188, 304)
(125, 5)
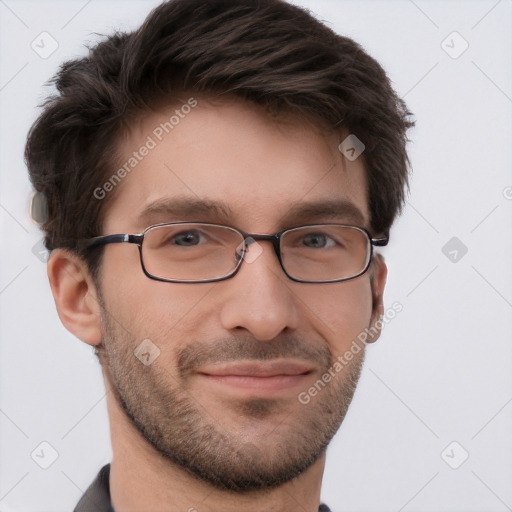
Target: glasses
(200, 252)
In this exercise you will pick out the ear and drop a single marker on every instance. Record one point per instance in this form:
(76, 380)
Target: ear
(75, 295)
(379, 273)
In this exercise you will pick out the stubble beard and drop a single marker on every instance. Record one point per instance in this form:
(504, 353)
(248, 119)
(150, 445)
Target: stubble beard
(161, 406)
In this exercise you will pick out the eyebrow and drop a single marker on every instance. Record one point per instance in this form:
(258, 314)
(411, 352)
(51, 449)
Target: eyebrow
(193, 209)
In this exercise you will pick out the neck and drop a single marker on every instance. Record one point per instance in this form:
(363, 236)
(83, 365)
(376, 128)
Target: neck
(142, 480)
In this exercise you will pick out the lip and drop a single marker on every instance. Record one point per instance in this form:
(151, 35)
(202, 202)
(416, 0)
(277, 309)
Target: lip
(259, 377)
(257, 369)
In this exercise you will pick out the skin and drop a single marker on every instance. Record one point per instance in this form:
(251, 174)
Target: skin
(252, 450)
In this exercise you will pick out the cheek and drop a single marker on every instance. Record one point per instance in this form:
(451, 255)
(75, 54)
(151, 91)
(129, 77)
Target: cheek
(147, 308)
(340, 312)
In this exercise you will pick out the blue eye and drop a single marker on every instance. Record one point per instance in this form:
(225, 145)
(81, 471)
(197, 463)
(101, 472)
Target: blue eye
(187, 238)
(318, 241)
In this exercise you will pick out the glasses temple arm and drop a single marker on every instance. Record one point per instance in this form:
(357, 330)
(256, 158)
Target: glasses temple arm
(108, 239)
(380, 242)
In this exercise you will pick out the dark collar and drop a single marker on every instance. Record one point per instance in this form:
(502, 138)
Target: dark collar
(97, 496)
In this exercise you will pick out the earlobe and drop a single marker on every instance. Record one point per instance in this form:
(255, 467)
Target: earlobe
(75, 295)
(378, 283)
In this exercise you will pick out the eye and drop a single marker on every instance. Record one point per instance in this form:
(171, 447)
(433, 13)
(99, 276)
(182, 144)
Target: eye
(318, 241)
(186, 238)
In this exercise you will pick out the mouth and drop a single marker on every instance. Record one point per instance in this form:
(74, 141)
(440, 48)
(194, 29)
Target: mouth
(259, 377)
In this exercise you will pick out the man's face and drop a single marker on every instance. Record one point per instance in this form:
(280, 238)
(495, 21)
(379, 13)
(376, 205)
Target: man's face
(235, 432)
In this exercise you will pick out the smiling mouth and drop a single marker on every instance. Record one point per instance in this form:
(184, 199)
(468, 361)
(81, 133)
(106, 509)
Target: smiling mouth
(270, 376)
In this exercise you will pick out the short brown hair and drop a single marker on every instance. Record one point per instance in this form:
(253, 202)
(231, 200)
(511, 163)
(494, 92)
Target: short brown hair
(264, 51)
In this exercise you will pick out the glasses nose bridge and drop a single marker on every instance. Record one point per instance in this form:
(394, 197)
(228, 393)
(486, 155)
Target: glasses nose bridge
(275, 240)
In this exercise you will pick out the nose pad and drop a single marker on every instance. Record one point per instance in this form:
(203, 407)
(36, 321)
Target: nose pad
(240, 252)
(252, 251)
(249, 250)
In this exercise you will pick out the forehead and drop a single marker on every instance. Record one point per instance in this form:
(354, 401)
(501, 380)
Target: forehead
(232, 162)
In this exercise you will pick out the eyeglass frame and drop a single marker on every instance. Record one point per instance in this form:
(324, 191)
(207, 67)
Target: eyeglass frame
(138, 239)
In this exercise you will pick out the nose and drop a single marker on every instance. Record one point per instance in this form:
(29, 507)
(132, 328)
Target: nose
(258, 298)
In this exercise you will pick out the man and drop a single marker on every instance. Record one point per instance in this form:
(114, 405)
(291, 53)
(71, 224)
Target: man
(216, 184)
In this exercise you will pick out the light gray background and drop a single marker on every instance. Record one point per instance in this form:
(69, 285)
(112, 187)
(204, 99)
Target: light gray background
(440, 373)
